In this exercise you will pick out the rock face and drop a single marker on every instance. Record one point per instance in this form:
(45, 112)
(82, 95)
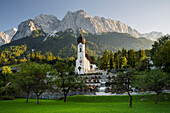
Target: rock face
(47, 23)
(24, 29)
(96, 25)
(4, 38)
(154, 35)
(11, 32)
(77, 20)
(74, 20)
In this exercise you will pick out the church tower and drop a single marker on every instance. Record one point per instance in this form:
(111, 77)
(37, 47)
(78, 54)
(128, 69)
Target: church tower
(81, 62)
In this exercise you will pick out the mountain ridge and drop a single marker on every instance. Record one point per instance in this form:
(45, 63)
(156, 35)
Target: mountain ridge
(50, 24)
(6, 36)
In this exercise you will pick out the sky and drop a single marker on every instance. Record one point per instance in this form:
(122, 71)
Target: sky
(143, 15)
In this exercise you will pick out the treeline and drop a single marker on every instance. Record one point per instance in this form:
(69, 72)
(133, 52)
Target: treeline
(159, 56)
(19, 54)
(121, 59)
(13, 55)
(64, 44)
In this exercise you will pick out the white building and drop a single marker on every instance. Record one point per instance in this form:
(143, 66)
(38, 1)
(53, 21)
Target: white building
(84, 63)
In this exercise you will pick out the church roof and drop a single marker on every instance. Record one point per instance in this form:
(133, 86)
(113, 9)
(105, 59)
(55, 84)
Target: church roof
(81, 39)
(88, 58)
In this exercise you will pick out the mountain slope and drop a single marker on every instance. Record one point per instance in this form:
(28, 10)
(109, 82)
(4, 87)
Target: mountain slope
(65, 44)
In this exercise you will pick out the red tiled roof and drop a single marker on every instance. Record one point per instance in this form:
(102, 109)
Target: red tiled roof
(88, 58)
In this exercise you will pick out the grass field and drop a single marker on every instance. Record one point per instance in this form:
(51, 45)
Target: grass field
(89, 104)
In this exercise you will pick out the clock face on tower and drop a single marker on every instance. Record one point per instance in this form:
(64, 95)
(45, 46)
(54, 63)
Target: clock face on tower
(80, 61)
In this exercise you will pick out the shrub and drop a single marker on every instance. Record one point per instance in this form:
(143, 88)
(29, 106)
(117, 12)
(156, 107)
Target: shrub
(6, 97)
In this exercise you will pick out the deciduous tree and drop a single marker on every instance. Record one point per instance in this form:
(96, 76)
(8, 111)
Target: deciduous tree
(154, 80)
(65, 78)
(125, 81)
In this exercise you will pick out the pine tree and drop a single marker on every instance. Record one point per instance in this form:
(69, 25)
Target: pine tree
(123, 62)
(141, 55)
(111, 62)
(105, 60)
(124, 53)
(116, 60)
(132, 58)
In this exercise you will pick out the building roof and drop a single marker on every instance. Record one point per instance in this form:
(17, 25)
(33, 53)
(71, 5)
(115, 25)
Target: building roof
(88, 58)
(81, 39)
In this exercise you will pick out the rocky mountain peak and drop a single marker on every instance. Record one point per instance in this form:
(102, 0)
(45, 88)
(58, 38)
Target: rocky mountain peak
(154, 35)
(11, 33)
(4, 38)
(75, 20)
(25, 29)
(47, 23)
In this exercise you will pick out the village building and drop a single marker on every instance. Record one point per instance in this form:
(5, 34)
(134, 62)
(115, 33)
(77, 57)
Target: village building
(84, 64)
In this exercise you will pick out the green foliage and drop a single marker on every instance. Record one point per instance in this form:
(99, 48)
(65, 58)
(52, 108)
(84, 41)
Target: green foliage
(162, 56)
(65, 45)
(126, 79)
(143, 64)
(111, 61)
(154, 80)
(132, 58)
(7, 97)
(6, 70)
(13, 50)
(123, 62)
(121, 59)
(66, 78)
(141, 55)
(157, 44)
(105, 60)
(40, 79)
(31, 77)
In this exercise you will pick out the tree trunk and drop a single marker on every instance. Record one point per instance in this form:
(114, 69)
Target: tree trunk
(27, 97)
(37, 99)
(157, 94)
(130, 99)
(65, 96)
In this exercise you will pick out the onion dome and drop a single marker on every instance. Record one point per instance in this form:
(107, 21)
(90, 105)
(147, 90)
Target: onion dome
(81, 39)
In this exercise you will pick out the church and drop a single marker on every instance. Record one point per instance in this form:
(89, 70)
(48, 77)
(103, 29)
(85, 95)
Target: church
(84, 64)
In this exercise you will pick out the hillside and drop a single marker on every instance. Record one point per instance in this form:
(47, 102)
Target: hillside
(64, 44)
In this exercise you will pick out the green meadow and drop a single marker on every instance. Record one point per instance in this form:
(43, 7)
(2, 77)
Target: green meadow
(89, 104)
